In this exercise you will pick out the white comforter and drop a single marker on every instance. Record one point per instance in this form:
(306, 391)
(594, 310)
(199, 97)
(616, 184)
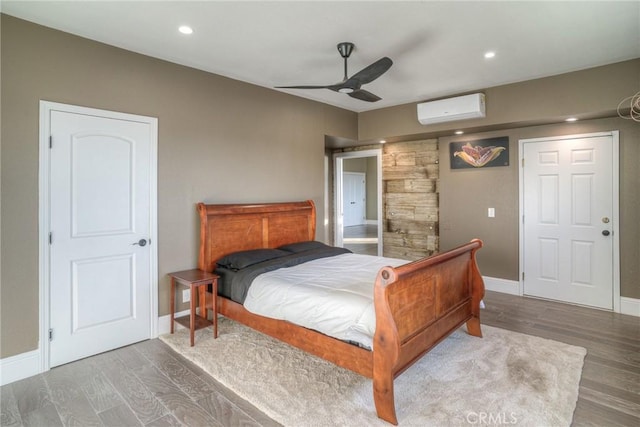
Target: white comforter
(331, 295)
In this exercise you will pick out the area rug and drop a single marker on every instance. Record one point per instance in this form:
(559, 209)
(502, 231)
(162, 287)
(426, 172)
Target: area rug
(502, 378)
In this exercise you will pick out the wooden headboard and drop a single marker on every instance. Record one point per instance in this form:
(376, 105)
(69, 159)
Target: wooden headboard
(230, 228)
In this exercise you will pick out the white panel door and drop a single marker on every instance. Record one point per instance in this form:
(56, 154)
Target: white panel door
(568, 214)
(354, 198)
(100, 278)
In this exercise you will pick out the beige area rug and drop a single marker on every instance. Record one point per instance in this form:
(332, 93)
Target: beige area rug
(503, 378)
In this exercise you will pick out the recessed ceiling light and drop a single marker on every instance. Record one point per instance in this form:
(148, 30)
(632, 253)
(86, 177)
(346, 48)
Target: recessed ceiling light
(489, 54)
(383, 141)
(571, 119)
(459, 132)
(185, 29)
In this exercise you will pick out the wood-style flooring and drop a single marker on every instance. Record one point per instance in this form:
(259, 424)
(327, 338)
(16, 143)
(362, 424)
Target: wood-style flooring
(148, 384)
(361, 239)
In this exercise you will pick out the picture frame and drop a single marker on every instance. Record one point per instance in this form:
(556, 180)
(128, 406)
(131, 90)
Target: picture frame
(481, 153)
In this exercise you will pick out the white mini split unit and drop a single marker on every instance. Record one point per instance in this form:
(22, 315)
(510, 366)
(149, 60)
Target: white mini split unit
(450, 109)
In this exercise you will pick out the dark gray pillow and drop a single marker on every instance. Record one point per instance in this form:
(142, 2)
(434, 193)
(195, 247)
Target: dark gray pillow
(303, 246)
(243, 259)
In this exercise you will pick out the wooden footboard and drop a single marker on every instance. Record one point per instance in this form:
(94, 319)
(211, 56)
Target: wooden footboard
(417, 305)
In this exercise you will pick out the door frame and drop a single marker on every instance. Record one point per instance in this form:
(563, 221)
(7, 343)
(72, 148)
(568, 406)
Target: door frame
(44, 267)
(615, 171)
(338, 162)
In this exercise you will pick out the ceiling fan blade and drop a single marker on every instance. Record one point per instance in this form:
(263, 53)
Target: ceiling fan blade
(305, 87)
(364, 95)
(351, 86)
(373, 71)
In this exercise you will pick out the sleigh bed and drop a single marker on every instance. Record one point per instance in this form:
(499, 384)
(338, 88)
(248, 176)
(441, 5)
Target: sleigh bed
(417, 304)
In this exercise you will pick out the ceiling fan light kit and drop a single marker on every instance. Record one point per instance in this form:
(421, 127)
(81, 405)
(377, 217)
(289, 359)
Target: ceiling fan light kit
(352, 85)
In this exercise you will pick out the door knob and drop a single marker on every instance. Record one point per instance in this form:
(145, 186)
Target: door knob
(605, 232)
(141, 242)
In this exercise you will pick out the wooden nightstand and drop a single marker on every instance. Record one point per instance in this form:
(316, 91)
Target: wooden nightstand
(196, 280)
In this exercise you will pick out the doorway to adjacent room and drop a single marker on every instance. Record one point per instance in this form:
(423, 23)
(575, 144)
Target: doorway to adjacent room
(358, 201)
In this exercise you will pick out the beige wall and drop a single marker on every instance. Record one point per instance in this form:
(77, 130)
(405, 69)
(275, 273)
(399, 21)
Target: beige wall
(517, 111)
(585, 94)
(220, 140)
(464, 213)
(355, 165)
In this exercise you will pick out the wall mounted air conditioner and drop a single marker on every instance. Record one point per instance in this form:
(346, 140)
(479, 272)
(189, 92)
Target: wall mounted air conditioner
(446, 110)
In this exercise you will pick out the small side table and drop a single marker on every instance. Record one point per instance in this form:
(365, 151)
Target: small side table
(196, 280)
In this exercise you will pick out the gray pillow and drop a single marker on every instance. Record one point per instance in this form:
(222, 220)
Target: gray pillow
(239, 260)
(303, 246)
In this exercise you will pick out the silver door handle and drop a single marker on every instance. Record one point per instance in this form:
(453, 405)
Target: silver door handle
(141, 242)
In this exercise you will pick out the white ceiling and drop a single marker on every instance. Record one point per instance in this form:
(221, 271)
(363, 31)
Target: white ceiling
(437, 47)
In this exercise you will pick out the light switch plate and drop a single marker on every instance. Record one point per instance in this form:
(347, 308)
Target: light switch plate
(186, 295)
(491, 212)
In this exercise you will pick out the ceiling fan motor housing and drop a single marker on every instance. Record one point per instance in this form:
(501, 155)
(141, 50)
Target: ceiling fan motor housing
(345, 49)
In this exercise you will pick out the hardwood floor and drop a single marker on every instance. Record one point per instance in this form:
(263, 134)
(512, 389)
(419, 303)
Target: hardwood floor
(610, 384)
(358, 231)
(148, 384)
(142, 384)
(361, 239)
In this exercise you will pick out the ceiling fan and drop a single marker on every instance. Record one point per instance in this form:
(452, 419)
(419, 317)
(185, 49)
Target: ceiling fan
(352, 85)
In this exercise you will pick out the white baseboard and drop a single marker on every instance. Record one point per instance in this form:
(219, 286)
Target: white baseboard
(25, 365)
(19, 367)
(630, 306)
(501, 285)
(357, 240)
(164, 322)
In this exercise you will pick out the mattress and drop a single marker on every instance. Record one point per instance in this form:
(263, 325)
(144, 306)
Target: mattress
(332, 295)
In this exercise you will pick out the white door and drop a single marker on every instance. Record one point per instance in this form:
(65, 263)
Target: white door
(100, 209)
(568, 220)
(354, 203)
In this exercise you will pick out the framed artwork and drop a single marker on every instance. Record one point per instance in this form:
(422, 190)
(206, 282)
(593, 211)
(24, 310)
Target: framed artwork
(482, 153)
